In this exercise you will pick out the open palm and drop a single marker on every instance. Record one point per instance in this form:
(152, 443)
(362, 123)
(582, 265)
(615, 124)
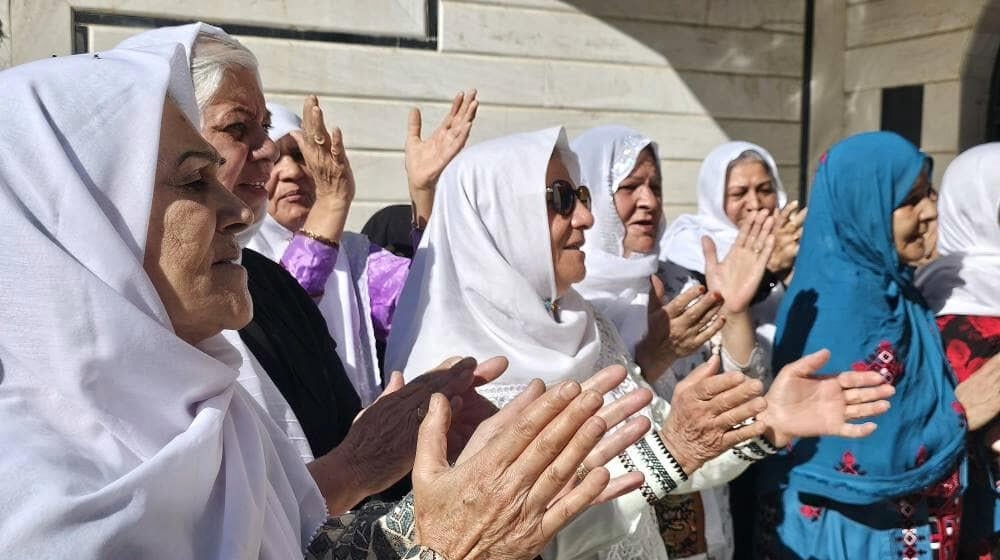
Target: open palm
(737, 277)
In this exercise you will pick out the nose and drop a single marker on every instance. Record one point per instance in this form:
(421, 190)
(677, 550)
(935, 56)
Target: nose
(288, 169)
(232, 214)
(582, 217)
(751, 202)
(646, 198)
(266, 151)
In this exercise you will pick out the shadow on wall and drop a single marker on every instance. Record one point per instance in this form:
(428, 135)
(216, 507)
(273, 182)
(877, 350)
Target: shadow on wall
(741, 59)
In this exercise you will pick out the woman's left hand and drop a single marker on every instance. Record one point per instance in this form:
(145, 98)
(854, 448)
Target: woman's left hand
(800, 404)
(738, 276)
(787, 233)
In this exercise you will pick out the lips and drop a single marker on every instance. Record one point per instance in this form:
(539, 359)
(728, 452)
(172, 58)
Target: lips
(228, 255)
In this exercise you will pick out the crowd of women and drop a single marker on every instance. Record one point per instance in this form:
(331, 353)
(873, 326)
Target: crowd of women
(198, 361)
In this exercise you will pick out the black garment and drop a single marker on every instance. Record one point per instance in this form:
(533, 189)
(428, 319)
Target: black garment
(289, 338)
(390, 227)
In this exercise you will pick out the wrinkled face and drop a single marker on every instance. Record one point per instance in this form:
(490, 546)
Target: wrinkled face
(912, 221)
(235, 123)
(748, 188)
(566, 234)
(638, 202)
(191, 248)
(291, 191)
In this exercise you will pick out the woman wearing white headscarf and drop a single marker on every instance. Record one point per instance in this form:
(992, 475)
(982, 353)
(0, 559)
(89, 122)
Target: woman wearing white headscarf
(961, 287)
(119, 396)
(622, 168)
(493, 275)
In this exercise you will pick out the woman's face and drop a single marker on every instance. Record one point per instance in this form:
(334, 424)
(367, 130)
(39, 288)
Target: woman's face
(748, 188)
(912, 221)
(235, 123)
(638, 202)
(566, 234)
(191, 248)
(291, 191)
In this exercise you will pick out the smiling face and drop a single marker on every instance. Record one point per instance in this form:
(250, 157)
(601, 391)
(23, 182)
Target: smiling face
(235, 123)
(749, 188)
(566, 233)
(191, 244)
(638, 201)
(291, 191)
(912, 221)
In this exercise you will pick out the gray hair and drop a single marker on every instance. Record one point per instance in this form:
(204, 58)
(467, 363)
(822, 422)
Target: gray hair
(751, 156)
(211, 57)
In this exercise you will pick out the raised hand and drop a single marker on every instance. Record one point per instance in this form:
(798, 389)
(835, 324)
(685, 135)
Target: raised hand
(705, 408)
(326, 161)
(800, 404)
(739, 275)
(507, 500)
(677, 329)
(787, 233)
(426, 159)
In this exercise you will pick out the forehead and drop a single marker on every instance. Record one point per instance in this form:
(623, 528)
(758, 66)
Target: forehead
(556, 169)
(177, 134)
(239, 92)
(748, 171)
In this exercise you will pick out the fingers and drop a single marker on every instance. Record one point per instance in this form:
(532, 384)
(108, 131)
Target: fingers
(617, 441)
(734, 416)
(702, 311)
(563, 443)
(657, 294)
(605, 380)
(337, 143)
(619, 487)
(806, 365)
(490, 370)
(709, 331)
(855, 431)
(432, 440)
(866, 410)
(395, 383)
(413, 124)
(734, 387)
(708, 248)
(313, 123)
(620, 409)
(677, 305)
(739, 435)
(856, 379)
(524, 429)
(869, 394)
(456, 105)
(744, 232)
(700, 374)
(575, 501)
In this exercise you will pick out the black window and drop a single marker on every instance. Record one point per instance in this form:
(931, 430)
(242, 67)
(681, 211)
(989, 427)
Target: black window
(903, 111)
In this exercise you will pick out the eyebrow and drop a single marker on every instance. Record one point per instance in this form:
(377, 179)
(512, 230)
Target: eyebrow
(209, 156)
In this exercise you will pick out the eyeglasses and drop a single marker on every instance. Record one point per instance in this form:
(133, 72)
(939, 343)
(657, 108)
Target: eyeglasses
(561, 197)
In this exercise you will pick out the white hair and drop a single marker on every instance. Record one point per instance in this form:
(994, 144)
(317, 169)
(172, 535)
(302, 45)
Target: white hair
(211, 57)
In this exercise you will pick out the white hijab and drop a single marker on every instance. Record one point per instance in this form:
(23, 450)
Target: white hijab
(119, 439)
(345, 304)
(964, 279)
(483, 271)
(252, 376)
(618, 287)
(681, 242)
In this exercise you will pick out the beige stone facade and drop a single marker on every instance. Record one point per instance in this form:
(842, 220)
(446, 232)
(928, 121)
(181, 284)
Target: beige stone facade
(690, 73)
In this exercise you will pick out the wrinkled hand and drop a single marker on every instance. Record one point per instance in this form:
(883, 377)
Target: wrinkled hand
(739, 275)
(980, 394)
(704, 411)
(325, 157)
(802, 405)
(787, 233)
(507, 499)
(677, 329)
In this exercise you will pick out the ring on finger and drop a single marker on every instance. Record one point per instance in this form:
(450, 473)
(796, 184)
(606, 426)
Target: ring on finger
(319, 139)
(581, 473)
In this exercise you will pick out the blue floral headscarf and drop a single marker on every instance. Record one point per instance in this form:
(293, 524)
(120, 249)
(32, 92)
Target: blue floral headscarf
(852, 295)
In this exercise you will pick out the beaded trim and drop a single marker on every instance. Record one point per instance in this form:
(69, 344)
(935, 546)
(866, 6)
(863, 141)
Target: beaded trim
(320, 238)
(646, 491)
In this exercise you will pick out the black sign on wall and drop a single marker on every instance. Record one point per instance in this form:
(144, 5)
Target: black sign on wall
(903, 111)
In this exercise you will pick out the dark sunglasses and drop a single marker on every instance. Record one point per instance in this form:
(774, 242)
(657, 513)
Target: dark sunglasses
(561, 197)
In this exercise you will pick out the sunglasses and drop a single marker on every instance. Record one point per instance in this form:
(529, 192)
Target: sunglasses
(561, 197)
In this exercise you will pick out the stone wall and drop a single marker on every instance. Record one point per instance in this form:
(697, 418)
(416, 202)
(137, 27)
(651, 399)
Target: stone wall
(690, 73)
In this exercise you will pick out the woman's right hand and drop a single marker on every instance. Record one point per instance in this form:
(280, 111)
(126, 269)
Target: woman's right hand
(705, 408)
(787, 233)
(513, 488)
(677, 329)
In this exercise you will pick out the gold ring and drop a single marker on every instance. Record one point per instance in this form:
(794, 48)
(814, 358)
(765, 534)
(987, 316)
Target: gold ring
(581, 473)
(319, 139)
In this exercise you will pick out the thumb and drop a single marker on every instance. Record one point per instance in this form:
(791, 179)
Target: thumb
(413, 125)
(705, 370)
(431, 459)
(807, 365)
(395, 383)
(708, 248)
(656, 293)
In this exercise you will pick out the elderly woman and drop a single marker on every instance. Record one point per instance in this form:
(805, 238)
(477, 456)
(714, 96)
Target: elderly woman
(622, 167)
(482, 282)
(896, 493)
(960, 287)
(287, 340)
(138, 274)
(355, 283)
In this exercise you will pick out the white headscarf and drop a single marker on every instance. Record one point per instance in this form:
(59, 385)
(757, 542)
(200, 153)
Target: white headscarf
(681, 242)
(483, 271)
(119, 439)
(345, 305)
(618, 287)
(252, 377)
(964, 279)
